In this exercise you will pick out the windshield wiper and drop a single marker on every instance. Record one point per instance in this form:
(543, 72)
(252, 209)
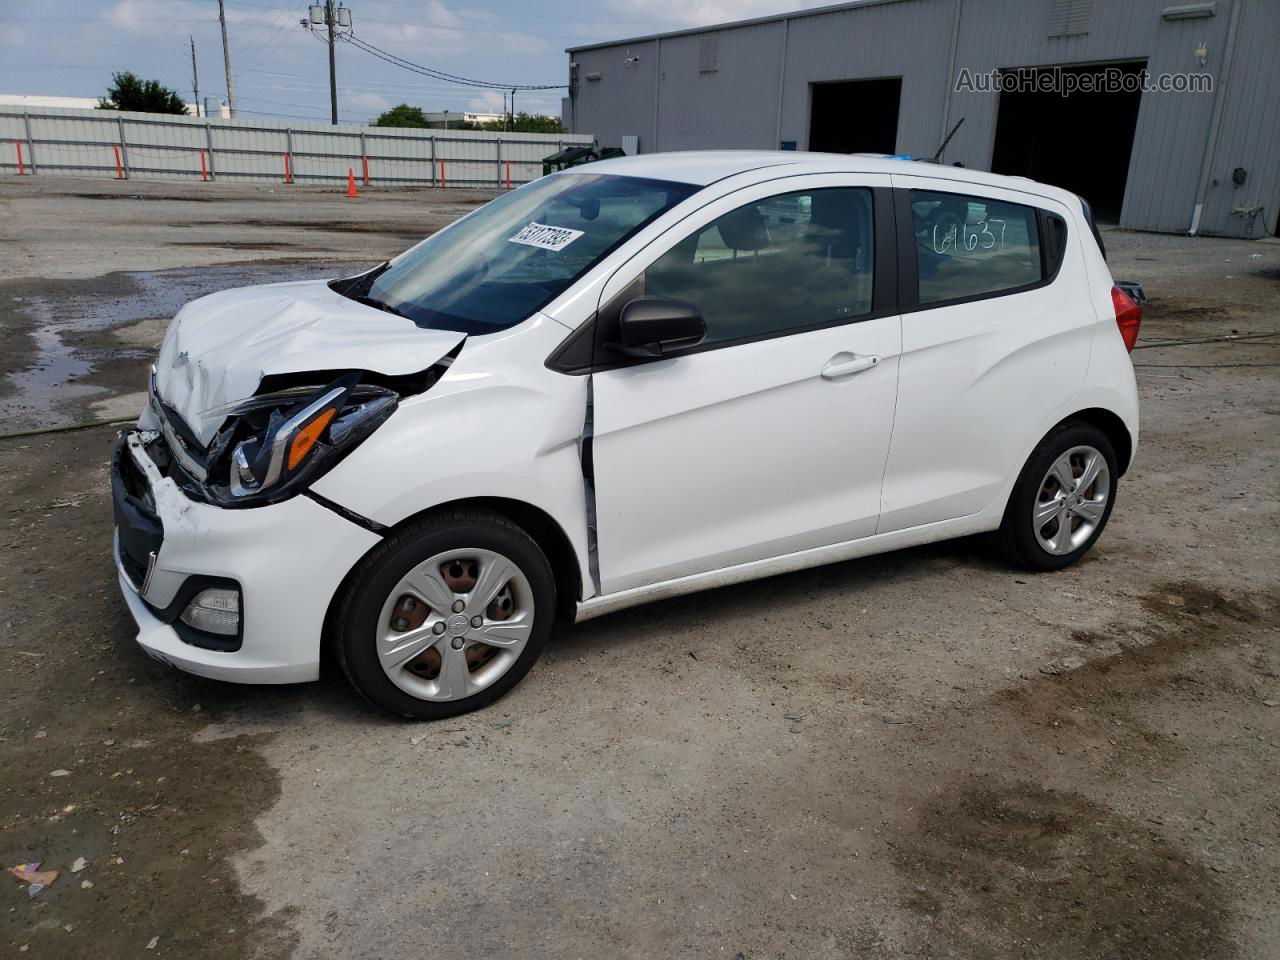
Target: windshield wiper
(379, 305)
(361, 283)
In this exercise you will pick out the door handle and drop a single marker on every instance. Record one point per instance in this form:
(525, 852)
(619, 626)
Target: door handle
(847, 364)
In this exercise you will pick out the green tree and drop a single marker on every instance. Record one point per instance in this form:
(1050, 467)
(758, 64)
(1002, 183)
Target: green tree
(131, 92)
(524, 123)
(402, 116)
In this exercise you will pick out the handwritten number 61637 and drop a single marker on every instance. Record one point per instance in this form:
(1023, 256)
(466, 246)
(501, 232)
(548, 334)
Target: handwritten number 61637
(969, 237)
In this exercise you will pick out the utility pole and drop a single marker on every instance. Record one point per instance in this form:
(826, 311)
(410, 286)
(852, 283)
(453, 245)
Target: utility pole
(333, 67)
(226, 60)
(336, 20)
(195, 77)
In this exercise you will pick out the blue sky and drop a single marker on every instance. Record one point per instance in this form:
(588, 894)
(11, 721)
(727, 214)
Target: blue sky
(70, 48)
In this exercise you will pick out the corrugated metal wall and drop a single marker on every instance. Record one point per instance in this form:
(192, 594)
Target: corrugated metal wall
(760, 93)
(1250, 130)
(618, 87)
(691, 107)
(873, 44)
(153, 146)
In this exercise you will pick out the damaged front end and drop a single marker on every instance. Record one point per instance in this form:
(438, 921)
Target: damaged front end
(276, 443)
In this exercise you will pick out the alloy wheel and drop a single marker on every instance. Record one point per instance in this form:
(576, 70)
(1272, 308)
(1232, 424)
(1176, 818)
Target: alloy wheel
(1072, 500)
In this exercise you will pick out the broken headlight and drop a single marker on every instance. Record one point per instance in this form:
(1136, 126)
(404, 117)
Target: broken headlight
(274, 444)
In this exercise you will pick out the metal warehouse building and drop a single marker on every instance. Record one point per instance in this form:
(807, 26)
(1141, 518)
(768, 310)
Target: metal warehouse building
(881, 76)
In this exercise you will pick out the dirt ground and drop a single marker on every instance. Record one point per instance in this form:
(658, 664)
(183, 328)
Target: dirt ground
(925, 754)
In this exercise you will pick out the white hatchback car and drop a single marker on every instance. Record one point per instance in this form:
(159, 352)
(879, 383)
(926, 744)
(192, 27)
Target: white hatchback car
(632, 380)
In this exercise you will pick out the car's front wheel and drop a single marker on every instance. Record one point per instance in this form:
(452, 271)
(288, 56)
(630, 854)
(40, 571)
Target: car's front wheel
(1061, 500)
(446, 615)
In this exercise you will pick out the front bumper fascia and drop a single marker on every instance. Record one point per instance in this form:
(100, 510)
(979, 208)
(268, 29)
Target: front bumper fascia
(288, 558)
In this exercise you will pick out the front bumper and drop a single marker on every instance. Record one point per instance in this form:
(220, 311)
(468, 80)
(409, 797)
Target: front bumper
(288, 559)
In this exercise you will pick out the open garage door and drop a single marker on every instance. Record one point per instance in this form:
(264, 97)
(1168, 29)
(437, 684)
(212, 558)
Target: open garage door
(1079, 142)
(855, 116)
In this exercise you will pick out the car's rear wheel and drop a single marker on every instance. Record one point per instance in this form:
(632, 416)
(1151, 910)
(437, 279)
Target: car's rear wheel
(1061, 500)
(446, 615)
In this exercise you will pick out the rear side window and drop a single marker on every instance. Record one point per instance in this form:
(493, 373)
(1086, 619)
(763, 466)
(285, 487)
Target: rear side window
(791, 261)
(973, 246)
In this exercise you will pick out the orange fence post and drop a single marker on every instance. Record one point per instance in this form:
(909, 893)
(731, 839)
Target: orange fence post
(365, 162)
(508, 174)
(288, 170)
(443, 182)
(22, 170)
(119, 165)
(204, 169)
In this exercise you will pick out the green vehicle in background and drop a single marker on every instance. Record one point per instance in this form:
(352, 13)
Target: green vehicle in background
(576, 156)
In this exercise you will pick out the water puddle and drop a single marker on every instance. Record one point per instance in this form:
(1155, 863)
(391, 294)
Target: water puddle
(74, 339)
(50, 378)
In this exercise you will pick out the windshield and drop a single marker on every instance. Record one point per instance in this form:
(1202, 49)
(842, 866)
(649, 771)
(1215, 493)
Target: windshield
(514, 255)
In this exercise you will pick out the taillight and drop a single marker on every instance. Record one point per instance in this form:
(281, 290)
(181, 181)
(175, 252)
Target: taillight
(1128, 317)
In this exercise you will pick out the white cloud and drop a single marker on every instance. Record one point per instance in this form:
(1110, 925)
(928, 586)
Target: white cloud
(675, 14)
(161, 18)
(488, 101)
(150, 17)
(373, 102)
(439, 29)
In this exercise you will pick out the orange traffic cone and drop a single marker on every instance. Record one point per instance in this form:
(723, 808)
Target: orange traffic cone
(351, 183)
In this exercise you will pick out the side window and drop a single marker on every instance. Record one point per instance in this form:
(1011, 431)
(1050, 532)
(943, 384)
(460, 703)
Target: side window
(795, 260)
(973, 246)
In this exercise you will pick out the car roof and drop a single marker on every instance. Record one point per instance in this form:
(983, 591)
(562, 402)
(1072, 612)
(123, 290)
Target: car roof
(703, 167)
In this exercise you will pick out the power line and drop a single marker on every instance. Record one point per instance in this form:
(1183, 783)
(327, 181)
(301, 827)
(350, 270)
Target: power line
(293, 116)
(504, 14)
(104, 19)
(252, 52)
(418, 68)
(421, 87)
(510, 13)
(266, 54)
(487, 31)
(281, 103)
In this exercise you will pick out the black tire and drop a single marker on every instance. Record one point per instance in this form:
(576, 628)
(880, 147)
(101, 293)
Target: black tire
(358, 616)
(1016, 539)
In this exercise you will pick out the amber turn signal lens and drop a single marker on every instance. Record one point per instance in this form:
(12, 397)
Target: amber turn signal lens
(306, 438)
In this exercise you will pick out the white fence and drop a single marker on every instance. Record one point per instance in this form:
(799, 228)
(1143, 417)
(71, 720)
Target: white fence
(153, 146)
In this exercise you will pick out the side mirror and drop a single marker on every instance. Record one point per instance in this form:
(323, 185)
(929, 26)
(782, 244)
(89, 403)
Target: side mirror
(649, 327)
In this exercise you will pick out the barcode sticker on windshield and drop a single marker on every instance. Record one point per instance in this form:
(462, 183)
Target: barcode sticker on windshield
(545, 237)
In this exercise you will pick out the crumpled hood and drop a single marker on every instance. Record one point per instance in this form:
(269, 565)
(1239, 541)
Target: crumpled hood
(218, 348)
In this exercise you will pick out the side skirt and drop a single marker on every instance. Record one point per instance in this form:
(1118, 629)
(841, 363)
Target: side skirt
(788, 563)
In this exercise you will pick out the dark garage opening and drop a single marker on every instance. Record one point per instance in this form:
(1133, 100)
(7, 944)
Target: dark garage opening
(855, 116)
(1079, 142)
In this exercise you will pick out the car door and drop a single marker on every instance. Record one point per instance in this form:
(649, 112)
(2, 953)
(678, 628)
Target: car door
(996, 327)
(769, 436)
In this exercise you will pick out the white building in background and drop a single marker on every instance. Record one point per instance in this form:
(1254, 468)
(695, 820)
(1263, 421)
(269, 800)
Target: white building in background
(454, 118)
(32, 101)
(213, 106)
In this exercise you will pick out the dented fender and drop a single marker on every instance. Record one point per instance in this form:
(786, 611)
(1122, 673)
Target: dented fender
(498, 424)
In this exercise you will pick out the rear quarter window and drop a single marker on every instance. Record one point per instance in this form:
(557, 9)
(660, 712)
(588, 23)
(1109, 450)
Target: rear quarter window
(969, 247)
